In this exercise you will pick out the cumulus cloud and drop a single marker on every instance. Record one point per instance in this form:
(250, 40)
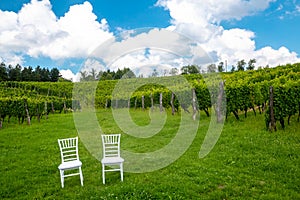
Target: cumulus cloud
(211, 11)
(36, 31)
(272, 57)
(141, 39)
(93, 64)
(159, 49)
(69, 75)
(200, 20)
(160, 60)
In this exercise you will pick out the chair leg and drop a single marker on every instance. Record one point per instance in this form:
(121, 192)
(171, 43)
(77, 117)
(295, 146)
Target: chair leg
(103, 173)
(62, 178)
(81, 176)
(121, 171)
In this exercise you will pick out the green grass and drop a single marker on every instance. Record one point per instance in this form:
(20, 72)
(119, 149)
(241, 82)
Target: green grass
(246, 163)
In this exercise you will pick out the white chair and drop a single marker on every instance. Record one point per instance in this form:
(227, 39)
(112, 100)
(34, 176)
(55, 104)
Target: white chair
(69, 159)
(111, 154)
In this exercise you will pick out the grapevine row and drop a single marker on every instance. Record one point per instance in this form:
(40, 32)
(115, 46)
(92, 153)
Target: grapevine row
(244, 91)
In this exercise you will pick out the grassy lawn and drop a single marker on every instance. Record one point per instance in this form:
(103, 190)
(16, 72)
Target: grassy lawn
(246, 163)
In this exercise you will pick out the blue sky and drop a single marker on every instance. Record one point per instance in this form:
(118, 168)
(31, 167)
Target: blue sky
(62, 33)
(120, 13)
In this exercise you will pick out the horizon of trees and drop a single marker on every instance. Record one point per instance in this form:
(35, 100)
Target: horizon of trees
(106, 75)
(19, 73)
(221, 67)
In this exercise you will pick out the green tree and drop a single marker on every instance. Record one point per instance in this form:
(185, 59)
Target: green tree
(128, 73)
(93, 74)
(3, 72)
(27, 74)
(251, 64)
(118, 74)
(45, 75)
(173, 71)
(54, 75)
(232, 68)
(83, 76)
(211, 68)
(241, 65)
(154, 73)
(14, 73)
(99, 75)
(221, 67)
(108, 75)
(190, 69)
(38, 74)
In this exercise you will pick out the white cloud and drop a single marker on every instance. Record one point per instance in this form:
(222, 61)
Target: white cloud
(36, 31)
(232, 45)
(39, 15)
(141, 39)
(273, 57)
(139, 49)
(236, 44)
(212, 11)
(69, 75)
(83, 33)
(142, 64)
(298, 8)
(10, 19)
(93, 63)
(10, 58)
(200, 20)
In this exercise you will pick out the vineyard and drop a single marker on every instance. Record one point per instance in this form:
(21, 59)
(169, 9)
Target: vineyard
(24, 100)
(274, 92)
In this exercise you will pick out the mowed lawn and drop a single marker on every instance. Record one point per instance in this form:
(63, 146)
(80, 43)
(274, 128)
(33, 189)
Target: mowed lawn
(246, 163)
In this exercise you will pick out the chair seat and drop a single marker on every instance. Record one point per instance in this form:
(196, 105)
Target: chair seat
(112, 160)
(70, 165)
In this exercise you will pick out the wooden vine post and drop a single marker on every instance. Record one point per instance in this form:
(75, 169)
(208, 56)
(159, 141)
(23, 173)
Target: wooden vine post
(128, 103)
(160, 102)
(172, 103)
(0, 121)
(46, 106)
(46, 110)
(298, 112)
(272, 123)
(65, 107)
(135, 102)
(38, 114)
(194, 104)
(143, 102)
(106, 104)
(152, 102)
(219, 107)
(27, 112)
(117, 104)
(52, 107)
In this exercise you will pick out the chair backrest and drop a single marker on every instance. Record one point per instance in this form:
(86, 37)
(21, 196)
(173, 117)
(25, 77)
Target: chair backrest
(68, 149)
(111, 145)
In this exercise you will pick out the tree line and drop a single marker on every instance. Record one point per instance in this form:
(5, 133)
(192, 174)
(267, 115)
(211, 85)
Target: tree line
(106, 75)
(19, 73)
(92, 75)
(241, 65)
